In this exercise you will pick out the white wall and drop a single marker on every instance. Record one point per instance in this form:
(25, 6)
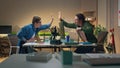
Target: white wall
(20, 12)
(108, 17)
(116, 27)
(88, 5)
(102, 12)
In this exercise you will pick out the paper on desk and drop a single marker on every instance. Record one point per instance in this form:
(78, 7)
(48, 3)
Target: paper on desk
(34, 43)
(31, 43)
(87, 44)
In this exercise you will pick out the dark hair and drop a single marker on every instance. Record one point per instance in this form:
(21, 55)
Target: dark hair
(80, 16)
(36, 19)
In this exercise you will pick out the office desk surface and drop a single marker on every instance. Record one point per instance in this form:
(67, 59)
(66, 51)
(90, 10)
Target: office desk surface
(44, 44)
(19, 61)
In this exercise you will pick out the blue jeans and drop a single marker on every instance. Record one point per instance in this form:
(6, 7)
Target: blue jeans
(25, 50)
(84, 49)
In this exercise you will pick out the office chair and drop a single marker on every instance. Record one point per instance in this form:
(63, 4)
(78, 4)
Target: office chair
(102, 36)
(13, 44)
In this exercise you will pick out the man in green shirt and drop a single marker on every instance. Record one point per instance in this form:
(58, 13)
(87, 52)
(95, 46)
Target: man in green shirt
(83, 28)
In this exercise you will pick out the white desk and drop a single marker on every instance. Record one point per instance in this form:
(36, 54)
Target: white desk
(33, 44)
(52, 45)
(48, 45)
(19, 61)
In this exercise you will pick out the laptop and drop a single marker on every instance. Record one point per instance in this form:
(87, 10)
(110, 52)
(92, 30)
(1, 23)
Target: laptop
(102, 59)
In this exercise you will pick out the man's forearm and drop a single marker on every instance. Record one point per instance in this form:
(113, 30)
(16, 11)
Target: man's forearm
(82, 35)
(68, 25)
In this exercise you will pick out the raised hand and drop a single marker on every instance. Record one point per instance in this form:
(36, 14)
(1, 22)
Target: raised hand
(59, 15)
(51, 20)
(81, 34)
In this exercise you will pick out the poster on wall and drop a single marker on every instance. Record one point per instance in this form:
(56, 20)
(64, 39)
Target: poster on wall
(118, 12)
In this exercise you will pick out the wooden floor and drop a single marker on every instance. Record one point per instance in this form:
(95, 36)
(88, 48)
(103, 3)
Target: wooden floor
(2, 59)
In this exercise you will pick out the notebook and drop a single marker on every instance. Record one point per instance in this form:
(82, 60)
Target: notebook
(102, 59)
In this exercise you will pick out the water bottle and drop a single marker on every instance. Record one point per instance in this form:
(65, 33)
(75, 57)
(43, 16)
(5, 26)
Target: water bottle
(67, 38)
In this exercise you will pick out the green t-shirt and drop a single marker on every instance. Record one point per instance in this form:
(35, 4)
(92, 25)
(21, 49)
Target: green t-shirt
(87, 28)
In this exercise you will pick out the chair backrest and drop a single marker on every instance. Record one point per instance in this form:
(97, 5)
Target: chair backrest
(13, 40)
(102, 36)
(101, 40)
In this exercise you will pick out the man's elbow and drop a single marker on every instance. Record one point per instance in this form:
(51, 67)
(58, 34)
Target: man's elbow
(19, 36)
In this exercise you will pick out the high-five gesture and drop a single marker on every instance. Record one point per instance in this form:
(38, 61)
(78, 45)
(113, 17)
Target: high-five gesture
(59, 15)
(51, 20)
